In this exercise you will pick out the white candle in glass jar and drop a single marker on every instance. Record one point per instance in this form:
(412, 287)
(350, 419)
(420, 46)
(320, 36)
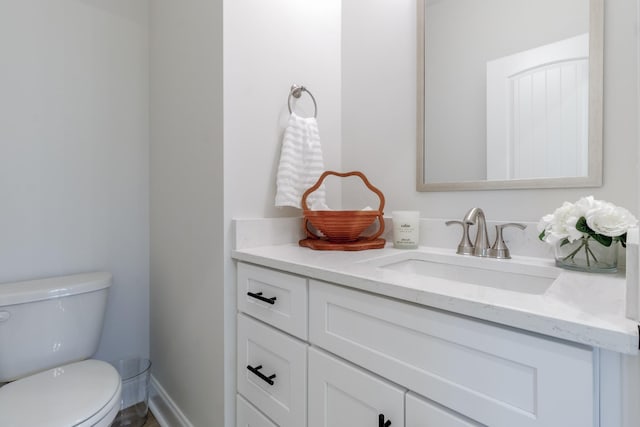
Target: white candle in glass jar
(406, 229)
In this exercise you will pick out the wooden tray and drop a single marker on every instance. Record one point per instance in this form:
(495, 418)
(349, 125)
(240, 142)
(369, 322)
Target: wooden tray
(361, 244)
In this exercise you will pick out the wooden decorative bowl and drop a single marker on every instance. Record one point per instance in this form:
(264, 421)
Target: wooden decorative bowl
(342, 226)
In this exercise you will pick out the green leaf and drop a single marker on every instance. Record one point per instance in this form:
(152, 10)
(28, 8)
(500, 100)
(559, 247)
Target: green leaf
(564, 241)
(582, 226)
(541, 235)
(623, 240)
(603, 240)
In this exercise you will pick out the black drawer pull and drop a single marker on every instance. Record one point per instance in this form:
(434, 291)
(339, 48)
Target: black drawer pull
(381, 422)
(259, 296)
(256, 370)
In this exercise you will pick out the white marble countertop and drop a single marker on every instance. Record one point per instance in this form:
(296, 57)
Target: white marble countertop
(583, 308)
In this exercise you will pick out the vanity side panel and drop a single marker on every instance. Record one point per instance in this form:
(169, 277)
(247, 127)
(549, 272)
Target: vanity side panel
(630, 390)
(610, 389)
(495, 375)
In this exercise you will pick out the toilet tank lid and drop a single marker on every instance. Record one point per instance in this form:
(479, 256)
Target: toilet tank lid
(53, 287)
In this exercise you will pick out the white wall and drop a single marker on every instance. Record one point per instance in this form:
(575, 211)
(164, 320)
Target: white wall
(187, 301)
(268, 46)
(379, 74)
(73, 152)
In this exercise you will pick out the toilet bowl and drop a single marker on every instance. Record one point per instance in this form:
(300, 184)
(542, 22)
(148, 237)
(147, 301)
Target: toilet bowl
(48, 330)
(80, 394)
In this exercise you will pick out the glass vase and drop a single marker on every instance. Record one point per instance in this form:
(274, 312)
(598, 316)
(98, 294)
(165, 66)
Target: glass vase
(586, 254)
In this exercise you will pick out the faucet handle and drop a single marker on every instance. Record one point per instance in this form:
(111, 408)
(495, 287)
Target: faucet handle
(499, 248)
(465, 247)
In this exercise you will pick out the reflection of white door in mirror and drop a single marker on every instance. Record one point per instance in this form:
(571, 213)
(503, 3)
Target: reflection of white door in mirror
(468, 141)
(537, 112)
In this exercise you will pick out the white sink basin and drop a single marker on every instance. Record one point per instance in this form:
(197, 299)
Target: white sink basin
(501, 274)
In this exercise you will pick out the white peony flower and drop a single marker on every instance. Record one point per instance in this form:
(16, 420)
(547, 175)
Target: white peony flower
(545, 223)
(587, 204)
(602, 217)
(610, 220)
(561, 224)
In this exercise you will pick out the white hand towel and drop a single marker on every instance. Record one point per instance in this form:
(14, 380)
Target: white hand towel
(301, 164)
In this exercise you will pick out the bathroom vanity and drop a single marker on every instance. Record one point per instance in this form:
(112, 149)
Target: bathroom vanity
(422, 338)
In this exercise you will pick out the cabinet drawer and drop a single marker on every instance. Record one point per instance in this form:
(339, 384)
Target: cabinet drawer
(343, 395)
(289, 309)
(496, 375)
(422, 413)
(248, 416)
(277, 381)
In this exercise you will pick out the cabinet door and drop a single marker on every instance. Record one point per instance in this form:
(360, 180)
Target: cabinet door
(343, 395)
(422, 413)
(248, 416)
(495, 375)
(272, 372)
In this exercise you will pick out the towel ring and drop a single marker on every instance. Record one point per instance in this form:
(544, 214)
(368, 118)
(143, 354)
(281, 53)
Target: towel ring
(296, 92)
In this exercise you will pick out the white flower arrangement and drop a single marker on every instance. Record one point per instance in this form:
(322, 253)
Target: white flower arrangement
(587, 218)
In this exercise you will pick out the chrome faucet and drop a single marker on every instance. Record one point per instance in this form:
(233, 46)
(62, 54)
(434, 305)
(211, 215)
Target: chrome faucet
(481, 246)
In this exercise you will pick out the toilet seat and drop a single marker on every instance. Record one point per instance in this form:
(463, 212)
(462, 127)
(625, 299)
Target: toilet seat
(80, 394)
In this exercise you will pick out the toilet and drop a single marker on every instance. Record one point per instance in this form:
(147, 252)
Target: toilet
(49, 328)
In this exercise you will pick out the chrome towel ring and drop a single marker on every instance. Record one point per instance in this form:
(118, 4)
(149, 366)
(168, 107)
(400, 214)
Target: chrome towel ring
(296, 92)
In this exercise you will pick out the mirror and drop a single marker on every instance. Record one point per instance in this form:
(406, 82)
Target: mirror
(509, 94)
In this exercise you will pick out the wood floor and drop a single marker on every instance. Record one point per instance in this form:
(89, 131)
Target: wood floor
(151, 421)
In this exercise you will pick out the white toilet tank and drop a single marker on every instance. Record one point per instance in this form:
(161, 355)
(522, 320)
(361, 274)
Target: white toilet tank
(50, 322)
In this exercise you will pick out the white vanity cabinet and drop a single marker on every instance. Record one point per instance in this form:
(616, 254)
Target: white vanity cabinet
(364, 360)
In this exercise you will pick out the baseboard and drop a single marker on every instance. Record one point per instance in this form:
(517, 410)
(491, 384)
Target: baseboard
(164, 408)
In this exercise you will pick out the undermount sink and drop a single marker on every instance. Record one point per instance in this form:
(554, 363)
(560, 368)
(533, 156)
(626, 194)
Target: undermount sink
(501, 274)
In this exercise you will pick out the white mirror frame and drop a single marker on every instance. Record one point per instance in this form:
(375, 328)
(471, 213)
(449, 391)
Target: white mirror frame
(596, 65)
